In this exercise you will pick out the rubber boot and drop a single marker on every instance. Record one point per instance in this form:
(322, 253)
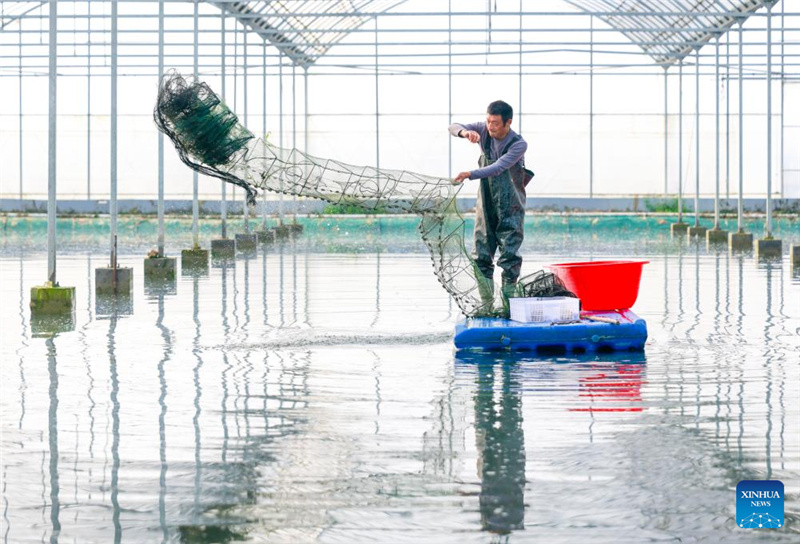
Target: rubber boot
(509, 291)
(486, 292)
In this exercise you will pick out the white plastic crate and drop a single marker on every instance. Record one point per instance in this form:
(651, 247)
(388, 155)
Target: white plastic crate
(545, 309)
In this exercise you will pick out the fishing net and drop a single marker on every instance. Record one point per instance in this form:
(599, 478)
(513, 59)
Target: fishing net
(542, 284)
(210, 139)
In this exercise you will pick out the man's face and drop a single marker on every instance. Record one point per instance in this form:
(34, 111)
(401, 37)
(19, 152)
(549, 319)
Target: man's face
(497, 129)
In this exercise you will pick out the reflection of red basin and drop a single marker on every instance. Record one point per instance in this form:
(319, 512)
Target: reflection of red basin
(621, 385)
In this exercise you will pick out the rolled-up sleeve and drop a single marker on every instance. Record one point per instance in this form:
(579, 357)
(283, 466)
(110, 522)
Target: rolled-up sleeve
(514, 155)
(455, 128)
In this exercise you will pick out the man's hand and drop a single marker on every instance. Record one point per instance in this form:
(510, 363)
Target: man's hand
(461, 177)
(471, 135)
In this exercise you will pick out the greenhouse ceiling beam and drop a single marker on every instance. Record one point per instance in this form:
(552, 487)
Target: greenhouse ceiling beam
(564, 30)
(262, 22)
(549, 48)
(494, 54)
(411, 69)
(655, 70)
(629, 25)
(738, 15)
(11, 19)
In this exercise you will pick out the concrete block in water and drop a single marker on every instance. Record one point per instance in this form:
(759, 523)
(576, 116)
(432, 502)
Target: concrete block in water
(697, 231)
(282, 231)
(161, 268)
(246, 242)
(740, 242)
(52, 299)
(266, 236)
(224, 248)
(194, 259)
(108, 280)
(716, 237)
(679, 229)
(769, 249)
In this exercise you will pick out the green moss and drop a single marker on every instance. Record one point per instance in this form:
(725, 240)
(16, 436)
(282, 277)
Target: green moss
(50, 298)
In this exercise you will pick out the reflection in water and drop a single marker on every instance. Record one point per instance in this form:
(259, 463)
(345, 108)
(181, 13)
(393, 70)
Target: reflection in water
(87, 363)
(6, 521)
(23, 343)
(55, 504)
(114, 304)
(376, 436)
(264, 304)
(166, 337)
(294, 280)
(604, 386)
(115, 434)
(500, 442)
(198, 473)
(741, 361)
(613, 388)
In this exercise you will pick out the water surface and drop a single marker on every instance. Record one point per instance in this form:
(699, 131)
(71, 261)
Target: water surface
(311, 393)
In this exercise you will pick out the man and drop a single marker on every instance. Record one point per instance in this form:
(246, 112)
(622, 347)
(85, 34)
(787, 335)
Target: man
(500, 211)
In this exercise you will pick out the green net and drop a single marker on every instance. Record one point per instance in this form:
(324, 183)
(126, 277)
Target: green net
(207, 135)
(210, 139)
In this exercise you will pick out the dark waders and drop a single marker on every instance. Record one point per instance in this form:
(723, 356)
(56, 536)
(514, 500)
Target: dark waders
(499, 224)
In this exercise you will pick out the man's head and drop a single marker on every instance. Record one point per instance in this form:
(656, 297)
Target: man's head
(498, 119)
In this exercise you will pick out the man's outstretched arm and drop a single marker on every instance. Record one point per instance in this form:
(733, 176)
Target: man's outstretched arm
(470, 131)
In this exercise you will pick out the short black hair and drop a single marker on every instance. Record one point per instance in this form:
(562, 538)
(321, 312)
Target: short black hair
(498, 107)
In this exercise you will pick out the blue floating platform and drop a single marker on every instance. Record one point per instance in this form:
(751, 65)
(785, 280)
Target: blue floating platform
(620, 330)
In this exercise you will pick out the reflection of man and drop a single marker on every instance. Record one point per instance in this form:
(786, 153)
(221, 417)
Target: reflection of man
(501, 449)
(500, 210)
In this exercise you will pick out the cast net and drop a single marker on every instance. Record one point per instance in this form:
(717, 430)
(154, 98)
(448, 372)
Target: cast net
(210, 139)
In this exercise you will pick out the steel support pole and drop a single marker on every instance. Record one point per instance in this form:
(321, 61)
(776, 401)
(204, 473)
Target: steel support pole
(294, 133)
(305, 110)
(666, 130)
(305, 113)
(716, 133)
(697, 139)
(768, 224)
(21, 183)
(246, 208)
(264, 127)
(223, 209)
(728, 115)
(89, 105)
(680, 141)
(449, 86)
(280, 130)
(783, 93)
(160, 134)
(519, 104)
(377, 104)
(195, 183)
(591, 107)
(740, 200)
(51, 143)
(235, 99)
(114, 63)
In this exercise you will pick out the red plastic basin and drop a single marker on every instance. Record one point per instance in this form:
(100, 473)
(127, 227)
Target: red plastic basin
(602, 285)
